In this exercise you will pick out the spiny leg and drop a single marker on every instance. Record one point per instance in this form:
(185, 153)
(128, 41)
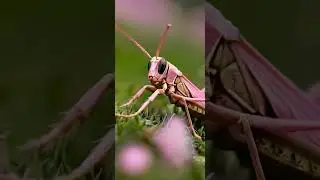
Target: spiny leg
(144, 105)
(252, 148)
(256, 121)
(287, 125)
(139, 93)
(185, 99)
(194, 133)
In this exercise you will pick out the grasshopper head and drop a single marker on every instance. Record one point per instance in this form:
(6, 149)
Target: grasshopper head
(161, 71)
(158, 68)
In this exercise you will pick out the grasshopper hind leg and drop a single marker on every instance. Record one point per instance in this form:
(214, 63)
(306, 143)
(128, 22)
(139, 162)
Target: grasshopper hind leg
(252, 148)
(194, 132)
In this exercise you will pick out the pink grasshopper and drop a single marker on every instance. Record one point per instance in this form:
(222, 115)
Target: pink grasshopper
(167, 79)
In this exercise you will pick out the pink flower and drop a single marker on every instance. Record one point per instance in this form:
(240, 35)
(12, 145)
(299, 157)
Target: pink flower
(156, 14)
(143, 11)
(134, 159)
(175, 142)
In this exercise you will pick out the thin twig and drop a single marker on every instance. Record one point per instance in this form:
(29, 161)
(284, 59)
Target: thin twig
(80, 110)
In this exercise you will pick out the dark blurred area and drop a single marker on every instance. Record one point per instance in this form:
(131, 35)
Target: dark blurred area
(285, 32)
(51, 53)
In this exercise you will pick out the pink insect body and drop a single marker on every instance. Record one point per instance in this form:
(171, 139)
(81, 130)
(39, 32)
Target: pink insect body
(168, 79)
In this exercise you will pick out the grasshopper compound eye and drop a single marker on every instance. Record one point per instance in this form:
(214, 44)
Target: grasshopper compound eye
(162, 66)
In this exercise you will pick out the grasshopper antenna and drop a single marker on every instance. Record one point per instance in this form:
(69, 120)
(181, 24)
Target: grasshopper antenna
(163, 37)
(132, 40)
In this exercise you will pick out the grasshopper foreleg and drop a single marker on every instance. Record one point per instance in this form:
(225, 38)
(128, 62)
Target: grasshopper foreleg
(145, 104)
(139, 93)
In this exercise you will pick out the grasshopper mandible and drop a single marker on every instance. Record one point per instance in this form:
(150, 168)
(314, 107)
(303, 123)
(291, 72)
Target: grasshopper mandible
(166, 79)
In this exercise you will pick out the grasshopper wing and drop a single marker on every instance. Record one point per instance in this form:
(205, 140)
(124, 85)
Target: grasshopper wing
(194, 91)
(287, 100)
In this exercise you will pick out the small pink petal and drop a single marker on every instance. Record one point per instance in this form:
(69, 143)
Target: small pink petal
(175, 143)
(134, 159)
